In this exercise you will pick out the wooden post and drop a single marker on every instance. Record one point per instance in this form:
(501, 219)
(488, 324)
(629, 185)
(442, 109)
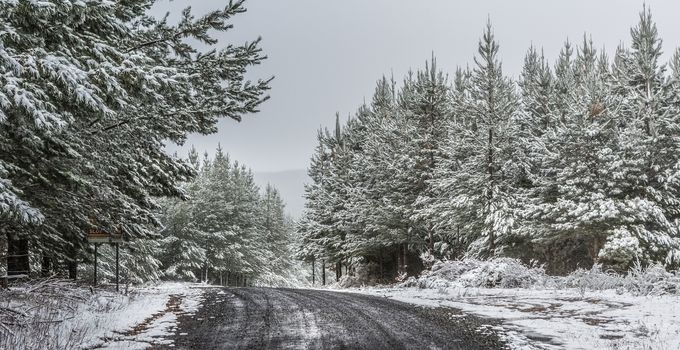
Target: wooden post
(95, 265)
(117, 266)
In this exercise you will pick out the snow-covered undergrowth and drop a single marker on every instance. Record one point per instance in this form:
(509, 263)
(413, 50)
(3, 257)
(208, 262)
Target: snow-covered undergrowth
(56, 314)
(588, 309)
(511, 273)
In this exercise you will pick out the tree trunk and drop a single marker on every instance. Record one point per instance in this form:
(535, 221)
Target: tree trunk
(17, 256)
(489, 195)
(338, 271)
(228, 275)
(313, 272)
(72, 269)
(46, 268)
(323, 272)
(594, 249)
(400, 260)
(381, 265)
(405, 259)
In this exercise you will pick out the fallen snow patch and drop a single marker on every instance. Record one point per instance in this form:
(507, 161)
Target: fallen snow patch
(586, 310)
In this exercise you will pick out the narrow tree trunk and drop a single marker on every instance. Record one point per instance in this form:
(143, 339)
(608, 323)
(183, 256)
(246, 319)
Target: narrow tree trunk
(405, 259)
(338, 271)
(72, 269)
(489, 195)
(17, 256)
(245, 281)
(228, 275)
(594, 249)
(382, 274)
(323, 272)
(313, 272)
(399, 259)
(46, 268)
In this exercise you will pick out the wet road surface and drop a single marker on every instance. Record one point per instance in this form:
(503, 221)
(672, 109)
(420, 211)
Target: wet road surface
(267, 318)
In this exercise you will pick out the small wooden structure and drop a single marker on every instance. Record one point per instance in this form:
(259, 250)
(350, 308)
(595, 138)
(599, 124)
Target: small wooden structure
(97, 237)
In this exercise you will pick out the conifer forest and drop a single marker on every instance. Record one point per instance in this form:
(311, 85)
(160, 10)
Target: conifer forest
(573, 163)
(149, 184)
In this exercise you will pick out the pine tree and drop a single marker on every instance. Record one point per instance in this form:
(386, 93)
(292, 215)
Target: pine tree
(478, 176)
(428, 107)
(649, 153)
(96, 90)
(576, 187)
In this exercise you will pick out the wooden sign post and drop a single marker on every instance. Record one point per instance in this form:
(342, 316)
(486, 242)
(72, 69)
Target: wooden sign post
(99, 237)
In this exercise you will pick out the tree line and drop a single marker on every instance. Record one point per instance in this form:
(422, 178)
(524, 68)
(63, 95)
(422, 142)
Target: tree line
(229, 232)
(90, 93)
(575, 162)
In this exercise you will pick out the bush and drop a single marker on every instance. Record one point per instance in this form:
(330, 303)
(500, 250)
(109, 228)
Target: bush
(511, 273)
(498, 272)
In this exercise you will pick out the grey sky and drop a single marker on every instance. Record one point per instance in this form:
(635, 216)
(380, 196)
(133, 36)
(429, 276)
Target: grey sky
(327, 55)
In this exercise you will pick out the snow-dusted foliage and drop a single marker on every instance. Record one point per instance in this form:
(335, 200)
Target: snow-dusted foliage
(495, 272)
(572, 165)
(512, 273)
(227, 231)
(90, 92)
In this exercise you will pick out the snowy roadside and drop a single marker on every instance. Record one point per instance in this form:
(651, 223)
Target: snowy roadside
(561, 319)
(71, 317)
(587, 309)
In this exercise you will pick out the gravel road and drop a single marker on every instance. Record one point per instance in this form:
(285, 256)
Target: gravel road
(267, 318)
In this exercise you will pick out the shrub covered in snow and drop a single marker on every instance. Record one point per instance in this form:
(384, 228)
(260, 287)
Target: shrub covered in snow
(511, 273)
(498, 272)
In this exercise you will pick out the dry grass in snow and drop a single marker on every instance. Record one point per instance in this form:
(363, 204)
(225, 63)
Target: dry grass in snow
(58, 314)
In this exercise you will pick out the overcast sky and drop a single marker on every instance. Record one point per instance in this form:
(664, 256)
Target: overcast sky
(326, 55)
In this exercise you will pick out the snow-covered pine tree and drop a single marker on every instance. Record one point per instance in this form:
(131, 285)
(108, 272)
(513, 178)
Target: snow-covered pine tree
(96, 89)
(536, 86)
(479, 174)
(576, 191)
(370, 174)
(226, 231)
(428, 108)
(276, 237)
(648, 175)
(313, 225)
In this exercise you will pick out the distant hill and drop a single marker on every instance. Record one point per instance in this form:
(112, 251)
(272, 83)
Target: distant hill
(290, 184)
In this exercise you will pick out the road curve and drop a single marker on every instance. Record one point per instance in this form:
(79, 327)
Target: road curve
(267, 318)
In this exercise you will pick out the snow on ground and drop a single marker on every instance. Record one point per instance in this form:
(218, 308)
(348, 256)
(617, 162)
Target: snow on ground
(544, 312)
(149, 320)
(61, 315)
(561, 319)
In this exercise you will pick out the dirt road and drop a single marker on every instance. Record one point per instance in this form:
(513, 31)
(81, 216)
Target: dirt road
(264, 318)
